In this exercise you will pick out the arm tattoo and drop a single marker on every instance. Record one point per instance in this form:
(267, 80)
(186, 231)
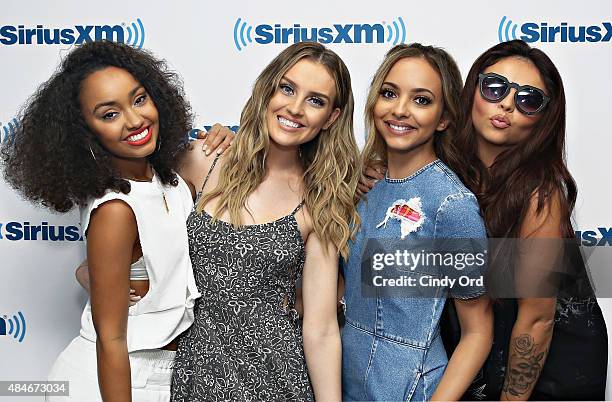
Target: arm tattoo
(524, 365)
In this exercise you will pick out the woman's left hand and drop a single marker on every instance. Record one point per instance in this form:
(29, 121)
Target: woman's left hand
(218, 139)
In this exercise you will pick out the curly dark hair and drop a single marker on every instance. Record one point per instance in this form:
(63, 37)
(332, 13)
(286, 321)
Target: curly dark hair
(49, 160)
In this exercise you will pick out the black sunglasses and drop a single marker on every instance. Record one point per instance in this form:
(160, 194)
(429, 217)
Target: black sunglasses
(528, 100)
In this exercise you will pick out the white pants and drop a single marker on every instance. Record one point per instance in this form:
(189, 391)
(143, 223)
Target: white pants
(151, 372)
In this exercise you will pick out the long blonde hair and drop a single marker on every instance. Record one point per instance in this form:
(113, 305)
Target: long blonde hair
(375, 149)
(330, 160)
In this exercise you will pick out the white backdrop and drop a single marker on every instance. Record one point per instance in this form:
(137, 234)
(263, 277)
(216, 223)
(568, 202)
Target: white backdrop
(219, 57)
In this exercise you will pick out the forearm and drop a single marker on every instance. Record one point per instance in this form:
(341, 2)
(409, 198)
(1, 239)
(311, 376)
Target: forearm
(323, 353)
(468, 357)
(528, 350)
(114, 376)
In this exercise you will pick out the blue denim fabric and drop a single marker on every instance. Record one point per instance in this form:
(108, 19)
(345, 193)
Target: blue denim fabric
(391, 348)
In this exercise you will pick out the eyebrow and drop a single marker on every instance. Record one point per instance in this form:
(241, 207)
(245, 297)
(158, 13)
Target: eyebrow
(319, 94)
(111, 103)
(413, 90)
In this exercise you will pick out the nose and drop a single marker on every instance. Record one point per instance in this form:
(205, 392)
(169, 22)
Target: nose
(401, 107)
(133, 119)
(295, 106)
(507, 104)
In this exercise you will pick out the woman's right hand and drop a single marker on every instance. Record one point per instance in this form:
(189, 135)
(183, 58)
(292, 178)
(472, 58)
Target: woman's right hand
(134, 298)
(371, 174)
(218, 138)
(82, 276)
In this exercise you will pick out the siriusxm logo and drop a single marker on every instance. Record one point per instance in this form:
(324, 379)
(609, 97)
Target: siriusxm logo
(193, 134)
(16, 326)
(264, 34)
(600, 237)
(16, 231)
(132, 34)
(543, 32)
(8, 130)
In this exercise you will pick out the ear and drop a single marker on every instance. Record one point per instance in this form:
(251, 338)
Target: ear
(332, 118)
(442, 124)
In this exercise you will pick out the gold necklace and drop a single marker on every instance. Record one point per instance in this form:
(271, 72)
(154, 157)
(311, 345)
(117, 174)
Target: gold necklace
(161, 189)
(159, 185)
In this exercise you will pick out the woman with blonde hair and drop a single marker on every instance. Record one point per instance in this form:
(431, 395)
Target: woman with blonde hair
(277, 207)
(391, 343)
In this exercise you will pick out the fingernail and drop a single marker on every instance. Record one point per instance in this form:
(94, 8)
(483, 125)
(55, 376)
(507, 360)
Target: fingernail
(219, 151)
(207, 152)
(205, 147)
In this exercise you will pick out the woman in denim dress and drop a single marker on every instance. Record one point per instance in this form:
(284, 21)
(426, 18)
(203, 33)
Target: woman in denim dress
(391, 345)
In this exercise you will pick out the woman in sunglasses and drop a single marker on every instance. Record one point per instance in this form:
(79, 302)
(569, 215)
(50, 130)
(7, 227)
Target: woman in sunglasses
(512, 137)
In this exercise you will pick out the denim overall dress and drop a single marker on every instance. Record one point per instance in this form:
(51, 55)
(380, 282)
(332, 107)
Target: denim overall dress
(391, 346)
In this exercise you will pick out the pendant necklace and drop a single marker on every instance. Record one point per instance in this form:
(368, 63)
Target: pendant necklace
(155, 179)
(161, 189)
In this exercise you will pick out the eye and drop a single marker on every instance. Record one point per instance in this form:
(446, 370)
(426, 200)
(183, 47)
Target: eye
(286, 89)
(140, 100)
(109, 115)
(318, 102)
(422, 100)
(388, 93)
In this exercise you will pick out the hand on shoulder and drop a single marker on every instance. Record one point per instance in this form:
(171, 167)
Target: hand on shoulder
(196, 164)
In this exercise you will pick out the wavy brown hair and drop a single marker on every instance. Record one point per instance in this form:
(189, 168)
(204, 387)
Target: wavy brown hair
(330, 159)
(50, 161)
(536, 165)
(375, 150)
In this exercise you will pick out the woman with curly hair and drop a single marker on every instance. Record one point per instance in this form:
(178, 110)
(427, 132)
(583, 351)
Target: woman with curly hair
(279, 206)
(106, 133)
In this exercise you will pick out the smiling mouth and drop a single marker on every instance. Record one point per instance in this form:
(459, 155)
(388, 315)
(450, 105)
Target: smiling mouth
(140, 138)
(288, 123)
(400, 128)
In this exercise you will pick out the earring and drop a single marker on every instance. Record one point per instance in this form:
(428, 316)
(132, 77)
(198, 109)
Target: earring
(158, 145)
(92, 154)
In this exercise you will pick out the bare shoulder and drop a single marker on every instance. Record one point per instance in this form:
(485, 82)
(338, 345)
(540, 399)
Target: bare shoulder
(305, 223)
(195, 157)
(543, 217)
(196, 163)
(113, 214)
(316, 246)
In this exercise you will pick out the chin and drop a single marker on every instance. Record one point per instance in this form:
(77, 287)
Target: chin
(401, 144)
(496, 138)
(283, 140)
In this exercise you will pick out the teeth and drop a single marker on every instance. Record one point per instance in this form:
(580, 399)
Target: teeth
(288, 123)
(400, 128)
(137, 137)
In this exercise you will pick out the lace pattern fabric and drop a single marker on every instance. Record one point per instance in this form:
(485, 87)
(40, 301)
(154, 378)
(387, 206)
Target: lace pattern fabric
(246, 341)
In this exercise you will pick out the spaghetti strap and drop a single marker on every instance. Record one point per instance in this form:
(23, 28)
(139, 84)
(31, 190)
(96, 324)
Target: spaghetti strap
(209, 172)
(300, 205)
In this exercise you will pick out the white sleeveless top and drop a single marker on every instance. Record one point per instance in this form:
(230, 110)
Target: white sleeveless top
(167, 308)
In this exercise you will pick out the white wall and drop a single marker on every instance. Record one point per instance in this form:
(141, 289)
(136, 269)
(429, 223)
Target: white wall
(197, 38)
